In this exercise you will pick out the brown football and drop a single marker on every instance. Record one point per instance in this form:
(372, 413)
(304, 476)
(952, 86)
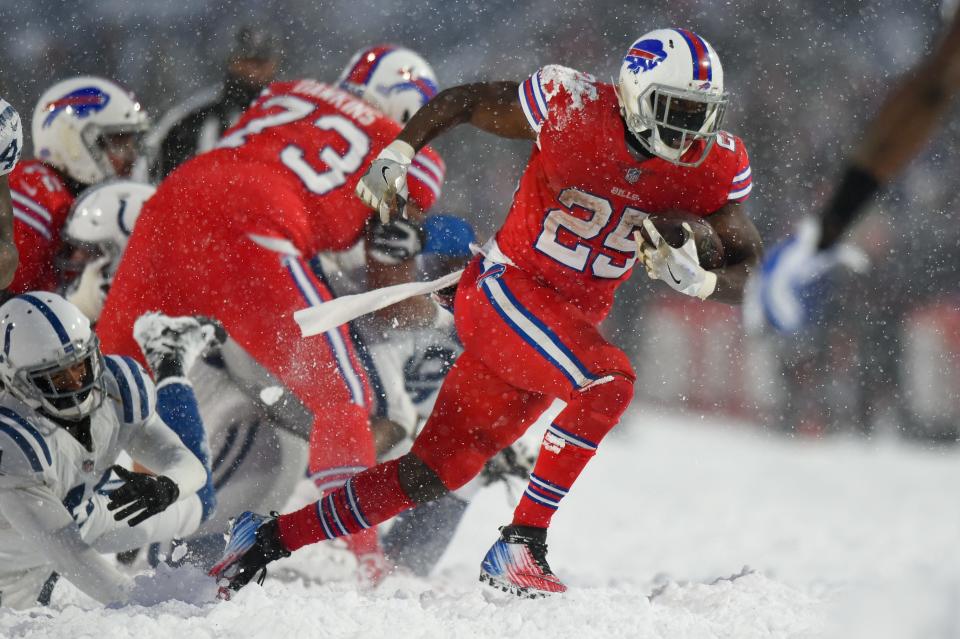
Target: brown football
(709, 244)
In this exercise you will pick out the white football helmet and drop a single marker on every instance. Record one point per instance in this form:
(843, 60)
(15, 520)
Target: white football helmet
(671, 94)
(11, 137)
(395, 80)
(102, 218)
(45, 341)
(73, 121)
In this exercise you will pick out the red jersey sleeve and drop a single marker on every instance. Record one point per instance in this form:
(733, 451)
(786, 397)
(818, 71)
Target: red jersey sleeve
(426, 175)
(742, 182)
(550, 93)
(41, 202)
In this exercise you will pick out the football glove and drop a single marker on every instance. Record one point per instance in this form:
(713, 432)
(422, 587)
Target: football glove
(678, 267)
(150, 494)
(784, 293)
(384, 186)
(395, 241)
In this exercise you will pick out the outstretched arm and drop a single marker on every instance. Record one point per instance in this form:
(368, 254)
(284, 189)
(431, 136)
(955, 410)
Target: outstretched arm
(490, 106)
(39, 517)
(907, 120)
(493, 107)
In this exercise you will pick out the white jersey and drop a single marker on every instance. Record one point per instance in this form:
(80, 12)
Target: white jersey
(11, 137)
(53, 513)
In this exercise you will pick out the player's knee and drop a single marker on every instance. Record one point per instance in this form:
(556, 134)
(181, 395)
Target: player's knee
(419, 481)
(611, 396)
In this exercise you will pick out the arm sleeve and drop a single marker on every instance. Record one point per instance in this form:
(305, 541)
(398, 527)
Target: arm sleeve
(158, 448)
(426, 175)
(742, 183)
(37, 515)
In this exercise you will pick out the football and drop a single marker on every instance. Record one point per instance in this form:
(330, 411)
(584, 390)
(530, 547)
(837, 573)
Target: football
(670, 226)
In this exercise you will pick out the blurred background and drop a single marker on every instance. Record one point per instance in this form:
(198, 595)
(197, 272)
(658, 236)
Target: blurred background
(803, 76)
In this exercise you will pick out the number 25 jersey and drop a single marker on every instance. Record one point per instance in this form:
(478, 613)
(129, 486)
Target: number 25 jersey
(584, 192)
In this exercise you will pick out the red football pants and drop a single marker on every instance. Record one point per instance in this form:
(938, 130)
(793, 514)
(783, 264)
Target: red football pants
(524, 346)
(203, 263)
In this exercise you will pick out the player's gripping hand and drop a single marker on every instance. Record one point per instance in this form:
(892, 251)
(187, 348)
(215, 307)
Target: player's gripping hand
(395, 241)
(384, 186)
(150, 494)
(786, 292)
(678, 267)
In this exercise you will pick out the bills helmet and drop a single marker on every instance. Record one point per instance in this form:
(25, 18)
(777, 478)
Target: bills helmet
(395, 80)
(671, 95)
(102, 218)
(76, 121)
(50, 356)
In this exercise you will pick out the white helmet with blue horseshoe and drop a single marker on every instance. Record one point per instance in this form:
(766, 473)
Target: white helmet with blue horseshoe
(49, 356)
(102, 218)
(397, 81)
(671, 95)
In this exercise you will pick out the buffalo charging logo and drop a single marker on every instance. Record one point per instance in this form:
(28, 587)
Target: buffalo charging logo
(82, 102)
(645, 55)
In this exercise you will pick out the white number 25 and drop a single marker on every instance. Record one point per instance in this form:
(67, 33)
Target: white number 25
(577, 255)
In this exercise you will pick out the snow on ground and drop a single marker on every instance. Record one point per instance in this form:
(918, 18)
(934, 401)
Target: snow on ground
(843, 538)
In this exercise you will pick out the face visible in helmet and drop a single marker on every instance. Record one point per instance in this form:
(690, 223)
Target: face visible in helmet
(121, 151)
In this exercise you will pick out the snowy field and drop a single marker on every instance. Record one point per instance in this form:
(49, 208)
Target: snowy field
(843, 538)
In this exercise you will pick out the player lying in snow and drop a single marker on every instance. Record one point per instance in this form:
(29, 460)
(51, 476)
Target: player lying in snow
(66, 413)
(527, 310)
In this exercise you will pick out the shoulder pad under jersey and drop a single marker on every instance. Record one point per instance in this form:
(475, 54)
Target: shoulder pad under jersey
(24, 453)
(130, 388)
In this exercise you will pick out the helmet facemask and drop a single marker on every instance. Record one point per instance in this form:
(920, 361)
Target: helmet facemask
(667, 122)
(103, 143)
(69, 388)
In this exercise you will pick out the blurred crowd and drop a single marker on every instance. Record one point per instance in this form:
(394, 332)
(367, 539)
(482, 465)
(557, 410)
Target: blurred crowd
(803, 77)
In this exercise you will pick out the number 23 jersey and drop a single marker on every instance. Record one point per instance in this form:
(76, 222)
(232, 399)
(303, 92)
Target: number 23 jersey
(319, 140)
(583, 192)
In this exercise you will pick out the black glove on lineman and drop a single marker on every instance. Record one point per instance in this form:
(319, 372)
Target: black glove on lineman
(396, 241)
(150, 493)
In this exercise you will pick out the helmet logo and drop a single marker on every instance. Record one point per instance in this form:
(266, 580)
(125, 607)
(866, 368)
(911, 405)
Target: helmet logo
(82, 102)
(645, 55)
(424, 86)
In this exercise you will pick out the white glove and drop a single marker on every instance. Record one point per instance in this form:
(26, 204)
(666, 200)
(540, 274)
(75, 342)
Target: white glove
(678, 267)
(88, 292)
(384, 186)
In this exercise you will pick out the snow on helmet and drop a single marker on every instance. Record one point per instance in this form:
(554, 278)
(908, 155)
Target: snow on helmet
(671, 94)
(102, 218)
(72, 119)
(395, 80)
(11, 137)
(44, 335)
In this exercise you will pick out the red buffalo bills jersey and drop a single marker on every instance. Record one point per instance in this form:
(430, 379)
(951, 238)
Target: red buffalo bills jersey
(323, 139)
(584, 192)
(41, 202)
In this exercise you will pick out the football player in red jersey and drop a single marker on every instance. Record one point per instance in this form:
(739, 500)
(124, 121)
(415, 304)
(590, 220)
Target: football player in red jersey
(85, 130)
(230, 234)
(527, 309)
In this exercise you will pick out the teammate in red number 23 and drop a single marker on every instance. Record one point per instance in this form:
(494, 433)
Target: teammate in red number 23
(527, 309)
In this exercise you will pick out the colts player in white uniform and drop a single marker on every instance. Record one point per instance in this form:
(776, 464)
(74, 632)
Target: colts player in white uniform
(66, 413)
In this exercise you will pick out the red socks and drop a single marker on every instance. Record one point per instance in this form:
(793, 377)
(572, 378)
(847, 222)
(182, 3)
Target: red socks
(366, 500)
